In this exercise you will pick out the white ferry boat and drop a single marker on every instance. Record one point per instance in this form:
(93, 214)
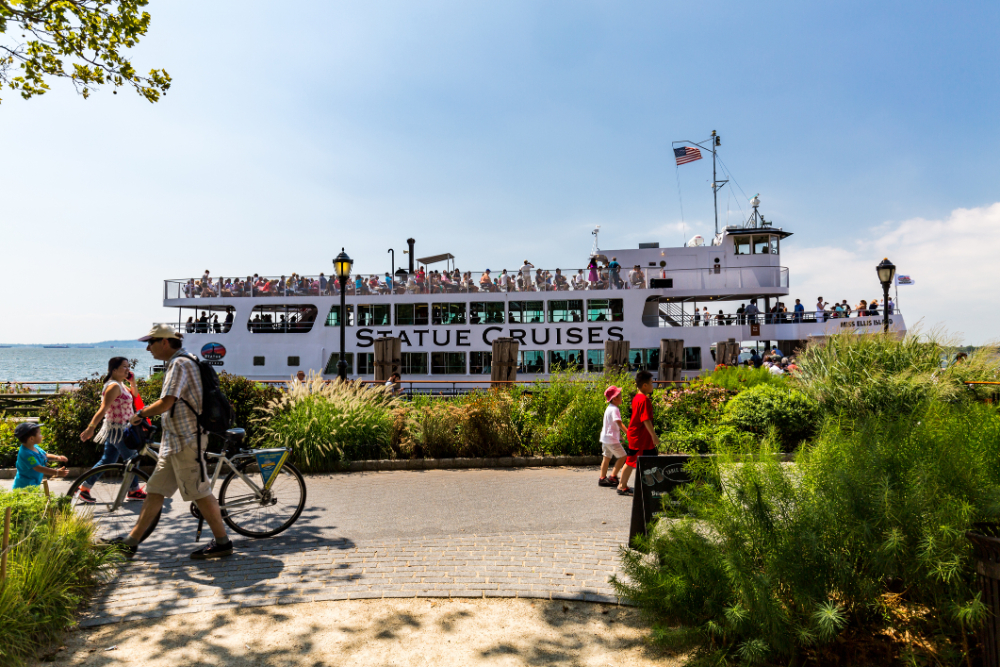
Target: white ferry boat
(269, 328)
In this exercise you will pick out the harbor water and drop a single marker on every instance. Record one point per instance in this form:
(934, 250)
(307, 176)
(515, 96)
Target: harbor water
(36, 364)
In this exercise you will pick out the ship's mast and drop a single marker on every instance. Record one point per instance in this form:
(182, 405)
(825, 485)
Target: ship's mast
(716, 141)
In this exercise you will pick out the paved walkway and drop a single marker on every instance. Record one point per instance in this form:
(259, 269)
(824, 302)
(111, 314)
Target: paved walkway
(542, 533)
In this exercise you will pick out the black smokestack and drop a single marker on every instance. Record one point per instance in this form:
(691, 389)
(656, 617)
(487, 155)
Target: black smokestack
(410, 243)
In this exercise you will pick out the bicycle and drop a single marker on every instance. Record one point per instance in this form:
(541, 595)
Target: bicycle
(246, 506)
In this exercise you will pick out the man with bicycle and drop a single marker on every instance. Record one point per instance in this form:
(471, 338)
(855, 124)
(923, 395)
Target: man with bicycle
(181, 466)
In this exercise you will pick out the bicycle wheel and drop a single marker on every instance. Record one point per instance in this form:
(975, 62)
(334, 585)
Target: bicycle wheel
(262, 515)
(110, 523)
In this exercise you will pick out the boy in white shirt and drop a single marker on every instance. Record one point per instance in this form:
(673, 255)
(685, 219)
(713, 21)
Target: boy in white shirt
(611, 438)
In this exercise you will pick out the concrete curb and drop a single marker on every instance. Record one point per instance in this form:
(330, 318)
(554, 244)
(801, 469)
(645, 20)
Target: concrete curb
(418, 464)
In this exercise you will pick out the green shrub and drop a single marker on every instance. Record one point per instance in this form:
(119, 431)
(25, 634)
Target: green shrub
(569, 412)
(853, 555)
(47, 574)
(328, 424)
(8, 443)
(738, 378)
(689, 408)
(793, 415)
(248, 399)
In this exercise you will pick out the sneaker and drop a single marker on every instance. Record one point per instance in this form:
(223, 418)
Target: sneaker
(614, 480)
(606, 481)
(625, 492)
(119, 543)
(213, 550)
(84, 497)
(138, 494)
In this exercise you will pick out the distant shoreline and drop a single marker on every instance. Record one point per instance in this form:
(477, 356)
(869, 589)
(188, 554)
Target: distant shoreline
(130, 344)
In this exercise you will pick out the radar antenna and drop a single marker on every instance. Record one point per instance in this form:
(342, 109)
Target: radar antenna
(756, 220)
(596, 250)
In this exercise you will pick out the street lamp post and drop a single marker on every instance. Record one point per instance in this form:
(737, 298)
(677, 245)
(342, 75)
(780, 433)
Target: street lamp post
(886, 272)
(342, 269)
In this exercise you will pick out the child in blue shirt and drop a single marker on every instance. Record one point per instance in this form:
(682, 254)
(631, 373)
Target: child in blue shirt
(31, 458)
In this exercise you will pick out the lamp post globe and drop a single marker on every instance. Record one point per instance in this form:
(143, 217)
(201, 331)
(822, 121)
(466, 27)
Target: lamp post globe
(342, 269)
(886, 271)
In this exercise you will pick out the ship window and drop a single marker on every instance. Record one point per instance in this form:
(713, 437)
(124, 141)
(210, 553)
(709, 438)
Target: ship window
(409, 314)
(531, 361)
(333, 317)
(291, 318)
(486, 312)
(331, 364)
(774, 245)
(481, 363)
(376, 314)
(212, 319)
(644, 359)
(605, 310)
(293, 361)
(595, 361)
(566, 311)
(258, 361)
(366, 363)
(565, 360)
(761, 245)
(413, 363)
(447, 313)
(742, 245)
(448, 363)
(692, 358)
(526, 312)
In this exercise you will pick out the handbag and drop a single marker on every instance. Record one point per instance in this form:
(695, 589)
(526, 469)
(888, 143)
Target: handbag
(136, 436)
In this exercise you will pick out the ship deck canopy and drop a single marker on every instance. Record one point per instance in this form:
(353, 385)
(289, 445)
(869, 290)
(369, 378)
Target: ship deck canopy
(747, 231)
(434, 259)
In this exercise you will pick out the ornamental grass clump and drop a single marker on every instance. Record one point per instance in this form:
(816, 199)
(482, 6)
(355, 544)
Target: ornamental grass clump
(878, 374)
(854, 554)
(49, 569)
(327, 424)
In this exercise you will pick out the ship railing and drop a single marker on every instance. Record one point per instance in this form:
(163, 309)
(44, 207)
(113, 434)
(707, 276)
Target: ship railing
(550, 281)
(667, 319)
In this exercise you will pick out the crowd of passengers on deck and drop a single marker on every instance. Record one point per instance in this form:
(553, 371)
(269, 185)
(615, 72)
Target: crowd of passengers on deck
(526, 279)
(779, 313)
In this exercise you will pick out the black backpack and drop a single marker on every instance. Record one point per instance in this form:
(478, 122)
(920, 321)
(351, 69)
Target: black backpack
(217, 414)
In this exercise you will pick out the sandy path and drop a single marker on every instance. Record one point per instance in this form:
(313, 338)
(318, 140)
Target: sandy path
(377, 632)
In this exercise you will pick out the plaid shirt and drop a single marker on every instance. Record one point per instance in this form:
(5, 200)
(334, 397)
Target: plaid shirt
(180, 423)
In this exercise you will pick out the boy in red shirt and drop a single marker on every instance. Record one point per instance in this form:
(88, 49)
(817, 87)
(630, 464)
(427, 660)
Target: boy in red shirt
(641, 437)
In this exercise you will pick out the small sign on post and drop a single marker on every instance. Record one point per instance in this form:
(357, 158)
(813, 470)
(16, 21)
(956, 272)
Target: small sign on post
(655, 478)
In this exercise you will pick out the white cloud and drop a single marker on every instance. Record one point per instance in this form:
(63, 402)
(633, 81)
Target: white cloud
(950, 260)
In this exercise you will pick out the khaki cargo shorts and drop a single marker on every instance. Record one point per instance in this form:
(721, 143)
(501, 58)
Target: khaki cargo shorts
(180, 470)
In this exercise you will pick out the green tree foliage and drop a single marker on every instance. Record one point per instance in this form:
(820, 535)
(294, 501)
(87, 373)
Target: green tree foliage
(84, 41)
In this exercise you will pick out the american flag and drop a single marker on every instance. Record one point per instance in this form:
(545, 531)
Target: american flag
(686, 154)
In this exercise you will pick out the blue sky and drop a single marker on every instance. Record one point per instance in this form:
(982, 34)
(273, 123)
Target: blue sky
(505, 131)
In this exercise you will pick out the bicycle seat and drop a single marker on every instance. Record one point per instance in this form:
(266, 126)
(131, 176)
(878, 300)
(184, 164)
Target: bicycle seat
(234, 436)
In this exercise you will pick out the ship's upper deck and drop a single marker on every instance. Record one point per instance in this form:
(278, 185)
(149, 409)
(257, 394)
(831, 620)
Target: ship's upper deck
(740, 266)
